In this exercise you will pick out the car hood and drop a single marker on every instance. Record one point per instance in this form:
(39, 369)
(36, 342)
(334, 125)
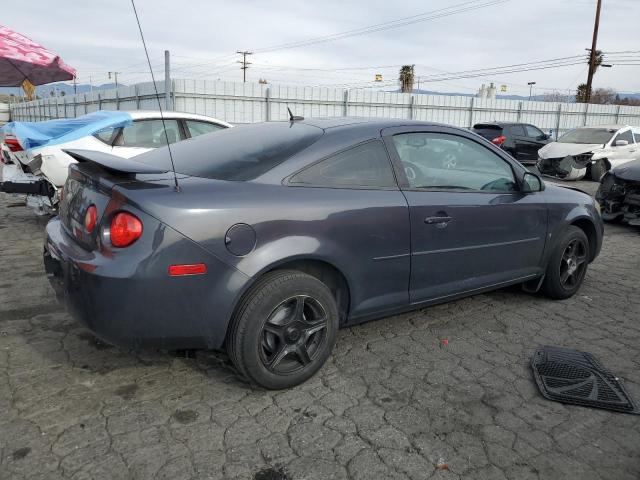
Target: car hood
(564, 186)
(561, 150)
(628, 171)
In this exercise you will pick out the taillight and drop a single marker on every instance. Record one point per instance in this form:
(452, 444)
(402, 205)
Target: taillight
(13, 144)
(499, 140)
(90, 218)
(125, 229)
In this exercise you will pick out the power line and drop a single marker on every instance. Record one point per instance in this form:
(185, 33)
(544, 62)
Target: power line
(422, 17)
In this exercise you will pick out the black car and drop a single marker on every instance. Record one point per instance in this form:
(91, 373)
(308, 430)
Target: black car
(271, 236)
(521, 140)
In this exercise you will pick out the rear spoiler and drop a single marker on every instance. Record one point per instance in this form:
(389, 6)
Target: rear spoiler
(113, 162)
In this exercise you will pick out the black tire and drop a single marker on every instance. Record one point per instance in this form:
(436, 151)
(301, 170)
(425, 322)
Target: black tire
(598, 169)
(269, 340)
(567, 265)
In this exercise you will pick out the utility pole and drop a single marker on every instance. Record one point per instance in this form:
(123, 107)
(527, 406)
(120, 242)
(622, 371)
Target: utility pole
(592, 55)
(75, 86)
(91, 85)
(531, 84)
(167, 81)
(244, 63)
(115, 76)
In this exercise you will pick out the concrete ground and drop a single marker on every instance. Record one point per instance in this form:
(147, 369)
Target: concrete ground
(393, 402)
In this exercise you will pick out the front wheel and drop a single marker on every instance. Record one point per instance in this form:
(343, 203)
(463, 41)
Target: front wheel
(284, 329)
(598, 169)
(568, 264)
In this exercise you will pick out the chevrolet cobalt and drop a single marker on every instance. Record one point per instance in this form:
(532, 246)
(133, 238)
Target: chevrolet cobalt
(264, 239)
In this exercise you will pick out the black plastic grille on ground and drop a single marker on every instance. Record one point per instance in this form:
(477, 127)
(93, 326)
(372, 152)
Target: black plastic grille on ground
(571, 376)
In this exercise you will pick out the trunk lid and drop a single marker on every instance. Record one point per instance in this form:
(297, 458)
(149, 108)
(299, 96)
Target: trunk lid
(91, 181)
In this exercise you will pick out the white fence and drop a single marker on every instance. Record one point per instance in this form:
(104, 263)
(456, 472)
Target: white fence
(238, 102)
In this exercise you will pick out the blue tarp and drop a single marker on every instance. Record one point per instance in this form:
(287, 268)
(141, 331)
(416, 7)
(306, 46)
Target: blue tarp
(53, 132)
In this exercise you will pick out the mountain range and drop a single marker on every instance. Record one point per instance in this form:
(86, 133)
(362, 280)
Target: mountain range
(68, 89)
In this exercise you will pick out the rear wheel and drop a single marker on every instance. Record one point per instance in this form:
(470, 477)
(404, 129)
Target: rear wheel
(568, 265)
(284, 329)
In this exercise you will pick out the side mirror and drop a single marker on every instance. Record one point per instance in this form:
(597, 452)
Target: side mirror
(532, 183)
(621, 143)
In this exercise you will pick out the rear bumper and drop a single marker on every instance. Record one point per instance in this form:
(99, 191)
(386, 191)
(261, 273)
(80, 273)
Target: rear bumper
(134, 303)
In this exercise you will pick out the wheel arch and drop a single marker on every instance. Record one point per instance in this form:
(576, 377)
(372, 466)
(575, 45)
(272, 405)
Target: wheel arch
(587, 226)
(320, 268)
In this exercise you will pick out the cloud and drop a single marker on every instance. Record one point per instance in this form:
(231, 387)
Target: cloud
(97, 37)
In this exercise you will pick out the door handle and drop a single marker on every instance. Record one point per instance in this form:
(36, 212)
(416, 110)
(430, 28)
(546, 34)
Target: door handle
(439, 221)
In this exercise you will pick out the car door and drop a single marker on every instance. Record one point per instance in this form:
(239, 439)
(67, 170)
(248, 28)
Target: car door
(536, 139)
(146, 134)
(520, 142)
(471, 227)
(623, 153)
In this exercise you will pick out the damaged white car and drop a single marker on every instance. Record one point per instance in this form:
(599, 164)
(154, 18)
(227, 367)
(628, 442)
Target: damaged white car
(35, 165)
(589, 151)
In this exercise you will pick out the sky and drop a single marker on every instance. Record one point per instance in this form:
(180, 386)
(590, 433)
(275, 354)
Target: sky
(100, 36)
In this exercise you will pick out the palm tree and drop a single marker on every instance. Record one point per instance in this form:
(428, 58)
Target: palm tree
(406, 78)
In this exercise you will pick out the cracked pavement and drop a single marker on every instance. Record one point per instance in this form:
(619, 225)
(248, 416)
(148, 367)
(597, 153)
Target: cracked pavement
(393, 402)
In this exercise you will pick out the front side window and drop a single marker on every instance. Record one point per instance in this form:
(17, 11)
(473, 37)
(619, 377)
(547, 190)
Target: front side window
(628, 136)
(363, 166)
(197, 128)
(533, 132)
(444, 161)
(149, 134)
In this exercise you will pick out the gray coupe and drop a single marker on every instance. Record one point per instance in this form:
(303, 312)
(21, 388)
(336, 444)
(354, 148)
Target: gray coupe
(266, 238)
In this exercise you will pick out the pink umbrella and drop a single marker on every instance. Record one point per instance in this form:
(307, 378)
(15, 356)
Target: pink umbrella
(22, 59)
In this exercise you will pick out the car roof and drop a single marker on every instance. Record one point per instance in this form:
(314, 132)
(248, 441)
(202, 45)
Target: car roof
(146, 114)
(607, 126)
(500, 124)
(330, 124)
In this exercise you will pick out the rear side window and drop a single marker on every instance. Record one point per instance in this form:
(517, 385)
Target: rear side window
(197, 128)
(106, 135)
(149, 134)
(517, 130)
(364, 166)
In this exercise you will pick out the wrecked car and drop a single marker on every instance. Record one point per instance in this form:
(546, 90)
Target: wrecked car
(36, 165)
(619, 194)
(589, 152)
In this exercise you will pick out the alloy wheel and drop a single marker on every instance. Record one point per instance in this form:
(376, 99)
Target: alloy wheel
(293, 335)
(573, 263)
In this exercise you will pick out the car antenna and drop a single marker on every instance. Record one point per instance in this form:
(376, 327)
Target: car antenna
(292, 117)
(164, 127)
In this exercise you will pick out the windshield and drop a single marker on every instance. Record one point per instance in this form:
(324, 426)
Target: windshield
(241, 153)
(587, 135)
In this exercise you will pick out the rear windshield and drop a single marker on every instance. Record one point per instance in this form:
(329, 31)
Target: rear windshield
(587, 135)
(488, 131)
(240, 153)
